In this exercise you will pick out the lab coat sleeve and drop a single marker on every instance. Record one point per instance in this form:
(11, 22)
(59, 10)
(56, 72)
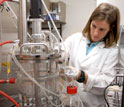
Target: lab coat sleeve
(97, 83)
(69, 43)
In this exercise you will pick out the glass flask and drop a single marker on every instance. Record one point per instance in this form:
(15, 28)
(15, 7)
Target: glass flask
(73, 98)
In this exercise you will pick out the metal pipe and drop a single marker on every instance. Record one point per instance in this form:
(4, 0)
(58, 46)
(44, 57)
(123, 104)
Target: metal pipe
(36, 88)
(36, 26)
(122, 101)
(22, 29)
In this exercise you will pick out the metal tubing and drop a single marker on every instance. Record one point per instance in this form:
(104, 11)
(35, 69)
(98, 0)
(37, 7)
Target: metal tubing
(22, 31)
(36, 27)
(122, 101)
(36, 88)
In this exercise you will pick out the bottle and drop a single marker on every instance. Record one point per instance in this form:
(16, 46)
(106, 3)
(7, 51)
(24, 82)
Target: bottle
(73, 100)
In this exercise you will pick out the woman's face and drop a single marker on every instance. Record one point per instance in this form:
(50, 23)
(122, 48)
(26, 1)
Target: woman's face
(98, 30)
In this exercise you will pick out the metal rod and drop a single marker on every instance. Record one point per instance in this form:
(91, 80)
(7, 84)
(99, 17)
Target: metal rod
(36, 88)
(22, 30)
(122, 102)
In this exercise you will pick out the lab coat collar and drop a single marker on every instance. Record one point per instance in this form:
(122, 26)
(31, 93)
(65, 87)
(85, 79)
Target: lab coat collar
(96, 49)
(93, 52)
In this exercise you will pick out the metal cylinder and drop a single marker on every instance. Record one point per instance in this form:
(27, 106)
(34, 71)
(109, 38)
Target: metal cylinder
(36, 26)
(22, 29)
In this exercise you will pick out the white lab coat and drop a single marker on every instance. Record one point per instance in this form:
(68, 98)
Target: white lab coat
(99, 64)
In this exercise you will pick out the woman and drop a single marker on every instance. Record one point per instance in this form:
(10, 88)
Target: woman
(93, 54)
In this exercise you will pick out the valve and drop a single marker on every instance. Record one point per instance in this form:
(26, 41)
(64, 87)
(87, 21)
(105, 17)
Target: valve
(10, 81)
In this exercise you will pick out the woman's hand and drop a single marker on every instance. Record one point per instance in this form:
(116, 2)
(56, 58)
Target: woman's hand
(70, 73)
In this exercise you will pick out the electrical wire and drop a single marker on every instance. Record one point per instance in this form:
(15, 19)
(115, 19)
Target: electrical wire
(113, 87)
(9, 98)
(105, 95)
(1, 1)
(6, 42)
